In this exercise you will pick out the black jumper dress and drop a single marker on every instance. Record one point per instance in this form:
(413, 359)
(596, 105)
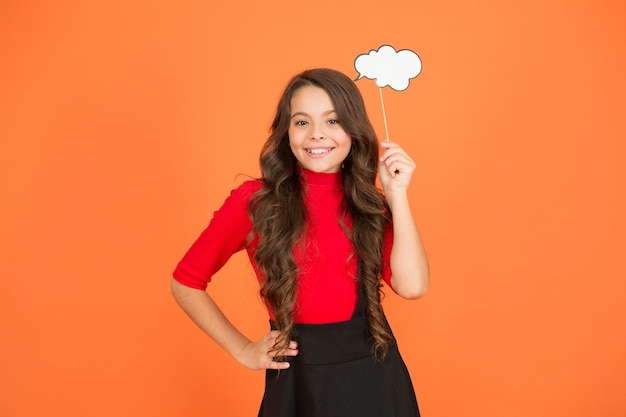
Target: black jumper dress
(335, 375)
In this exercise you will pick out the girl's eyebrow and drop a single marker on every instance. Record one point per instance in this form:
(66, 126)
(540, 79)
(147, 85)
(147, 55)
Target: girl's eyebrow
(301, 113)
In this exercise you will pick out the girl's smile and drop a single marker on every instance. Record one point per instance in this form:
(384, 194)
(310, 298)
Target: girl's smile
(319, 151)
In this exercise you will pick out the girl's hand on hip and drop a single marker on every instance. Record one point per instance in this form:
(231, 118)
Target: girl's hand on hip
(261, 354)
(395, 169)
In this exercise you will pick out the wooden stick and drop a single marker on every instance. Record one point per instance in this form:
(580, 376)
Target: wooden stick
(382, 102)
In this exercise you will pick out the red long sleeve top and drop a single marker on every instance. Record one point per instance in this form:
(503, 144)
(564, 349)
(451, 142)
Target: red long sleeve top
(327, 286)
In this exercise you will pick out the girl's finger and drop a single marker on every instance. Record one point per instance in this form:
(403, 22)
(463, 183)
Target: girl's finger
(278, 365)
(396, 156)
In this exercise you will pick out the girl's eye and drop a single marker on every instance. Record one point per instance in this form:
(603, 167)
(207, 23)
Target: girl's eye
(333, 122)
(300, 123)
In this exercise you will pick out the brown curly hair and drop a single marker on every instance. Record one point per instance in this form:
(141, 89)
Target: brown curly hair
(279, 214)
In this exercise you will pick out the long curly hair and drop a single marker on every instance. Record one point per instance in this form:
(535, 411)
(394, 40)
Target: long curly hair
(279, 214)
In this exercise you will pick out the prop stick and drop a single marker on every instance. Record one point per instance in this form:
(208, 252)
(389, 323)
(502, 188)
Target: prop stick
(382, 102)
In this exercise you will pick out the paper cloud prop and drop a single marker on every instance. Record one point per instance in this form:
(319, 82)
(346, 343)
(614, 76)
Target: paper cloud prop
(388, 67)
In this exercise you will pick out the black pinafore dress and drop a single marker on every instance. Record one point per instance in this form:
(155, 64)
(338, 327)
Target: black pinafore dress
(336, 375)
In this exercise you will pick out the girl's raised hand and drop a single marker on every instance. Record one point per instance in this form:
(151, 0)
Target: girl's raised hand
(260, 354)
(396, 168)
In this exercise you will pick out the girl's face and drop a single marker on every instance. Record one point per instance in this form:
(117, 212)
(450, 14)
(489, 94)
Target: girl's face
(316, 137)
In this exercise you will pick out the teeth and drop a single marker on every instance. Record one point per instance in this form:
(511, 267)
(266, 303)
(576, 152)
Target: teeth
(318, 151)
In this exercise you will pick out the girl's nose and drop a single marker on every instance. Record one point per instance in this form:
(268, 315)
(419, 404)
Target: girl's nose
(317, 133)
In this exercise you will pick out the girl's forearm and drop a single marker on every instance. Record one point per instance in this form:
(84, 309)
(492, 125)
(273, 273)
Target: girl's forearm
(409, 264)
(201, 308)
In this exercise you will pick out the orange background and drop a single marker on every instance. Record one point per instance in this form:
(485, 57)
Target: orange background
(124, 125)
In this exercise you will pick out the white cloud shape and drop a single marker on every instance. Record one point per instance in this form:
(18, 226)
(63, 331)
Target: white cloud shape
(388, 67)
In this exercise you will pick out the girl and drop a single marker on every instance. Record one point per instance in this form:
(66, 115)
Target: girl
(321, 238)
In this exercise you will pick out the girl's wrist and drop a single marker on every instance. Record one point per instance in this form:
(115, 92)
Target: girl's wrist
(396, 197)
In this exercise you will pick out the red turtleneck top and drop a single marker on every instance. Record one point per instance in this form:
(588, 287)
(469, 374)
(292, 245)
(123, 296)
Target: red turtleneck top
(327, 288)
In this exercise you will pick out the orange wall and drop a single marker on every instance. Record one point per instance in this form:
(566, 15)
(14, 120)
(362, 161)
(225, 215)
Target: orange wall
(124, 125)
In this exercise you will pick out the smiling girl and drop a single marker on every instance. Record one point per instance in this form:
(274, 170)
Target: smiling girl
(322, 240)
